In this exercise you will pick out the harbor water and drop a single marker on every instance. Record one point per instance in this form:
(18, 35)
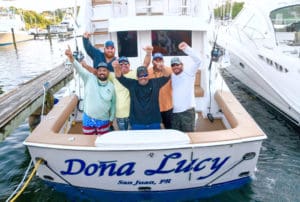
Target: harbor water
(278, 170)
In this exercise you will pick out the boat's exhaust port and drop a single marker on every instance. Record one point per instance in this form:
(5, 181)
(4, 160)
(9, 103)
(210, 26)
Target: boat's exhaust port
(144, 188)
(244, 174)
(242, 65)
(249, 156)
(47, 177)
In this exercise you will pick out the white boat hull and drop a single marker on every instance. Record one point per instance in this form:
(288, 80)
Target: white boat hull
(256, 83)
(157, 170)
(251, 73)
(264, 53)
(6, 38)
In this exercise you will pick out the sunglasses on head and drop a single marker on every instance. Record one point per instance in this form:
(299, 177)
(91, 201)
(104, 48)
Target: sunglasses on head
(173, 65)
(142, 76)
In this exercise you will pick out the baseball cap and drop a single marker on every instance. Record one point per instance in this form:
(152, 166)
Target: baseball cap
(109, 43)
(123, 59)
(157, 55)
(141, 71)
(102, 64)
(175, 60)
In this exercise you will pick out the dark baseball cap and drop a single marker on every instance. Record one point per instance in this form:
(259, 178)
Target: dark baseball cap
(109, 43)
(102, 64)
(123, 59)
(158, 55)
(141, 71)
(175, 60)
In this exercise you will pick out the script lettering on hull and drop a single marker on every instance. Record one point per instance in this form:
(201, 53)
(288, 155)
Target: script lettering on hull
(203, 168)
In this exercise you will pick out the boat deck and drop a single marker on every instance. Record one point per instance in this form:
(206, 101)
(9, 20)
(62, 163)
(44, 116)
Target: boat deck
(201, 125)
(54, 129)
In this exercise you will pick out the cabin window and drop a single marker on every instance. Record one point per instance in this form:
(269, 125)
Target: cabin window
(286, 19)
(127, 43)
(166, 41)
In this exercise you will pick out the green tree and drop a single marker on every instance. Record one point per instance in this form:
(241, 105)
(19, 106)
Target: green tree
(223, 11)
(237, 7)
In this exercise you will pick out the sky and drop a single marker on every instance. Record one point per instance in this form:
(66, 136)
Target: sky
(39, 5)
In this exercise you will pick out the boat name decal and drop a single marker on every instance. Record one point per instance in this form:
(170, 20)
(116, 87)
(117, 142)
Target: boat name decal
(209, 166)
(185, 165)
(77, 166)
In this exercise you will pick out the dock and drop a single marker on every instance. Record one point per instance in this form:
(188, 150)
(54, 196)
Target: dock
(60, 35)
(20, 103)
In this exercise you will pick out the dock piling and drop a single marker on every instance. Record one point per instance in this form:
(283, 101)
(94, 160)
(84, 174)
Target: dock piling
(14, 38)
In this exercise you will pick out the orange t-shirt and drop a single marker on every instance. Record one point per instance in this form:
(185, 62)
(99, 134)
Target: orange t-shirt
(165, 92)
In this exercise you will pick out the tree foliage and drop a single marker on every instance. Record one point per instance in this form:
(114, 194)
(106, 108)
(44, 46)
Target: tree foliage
(223, 12)
(39, 20)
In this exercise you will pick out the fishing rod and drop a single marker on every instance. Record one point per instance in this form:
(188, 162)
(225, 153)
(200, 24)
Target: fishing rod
(78, 55)
(215, 55)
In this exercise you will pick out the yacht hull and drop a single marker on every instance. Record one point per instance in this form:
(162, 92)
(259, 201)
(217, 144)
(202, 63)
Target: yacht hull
(7, 38)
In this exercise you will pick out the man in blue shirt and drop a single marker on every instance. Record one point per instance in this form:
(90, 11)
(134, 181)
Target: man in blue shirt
(107, 56)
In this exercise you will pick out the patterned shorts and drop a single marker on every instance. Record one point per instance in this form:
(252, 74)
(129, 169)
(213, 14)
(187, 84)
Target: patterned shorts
(184, 121)
(91, 126)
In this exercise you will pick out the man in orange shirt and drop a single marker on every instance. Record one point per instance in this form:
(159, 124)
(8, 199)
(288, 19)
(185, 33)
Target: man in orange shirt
(165, 93)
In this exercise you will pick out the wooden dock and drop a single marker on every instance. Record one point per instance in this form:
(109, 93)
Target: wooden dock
(18, 104)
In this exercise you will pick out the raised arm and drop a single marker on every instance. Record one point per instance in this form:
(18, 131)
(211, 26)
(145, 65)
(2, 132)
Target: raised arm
(81, 71)
(89, 48)
(147, 60)
(88, 67)
(117, 68)
(69, 54)
(190, 52)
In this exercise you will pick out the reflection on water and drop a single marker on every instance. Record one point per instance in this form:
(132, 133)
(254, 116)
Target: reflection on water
(29, 60)
(278, 168)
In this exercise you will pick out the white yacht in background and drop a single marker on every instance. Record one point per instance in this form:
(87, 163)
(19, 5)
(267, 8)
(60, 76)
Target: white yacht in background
(9, 21)
(151, 165)
(263, 43)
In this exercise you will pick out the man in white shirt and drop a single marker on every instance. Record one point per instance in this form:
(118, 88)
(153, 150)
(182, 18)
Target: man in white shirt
(183, 79)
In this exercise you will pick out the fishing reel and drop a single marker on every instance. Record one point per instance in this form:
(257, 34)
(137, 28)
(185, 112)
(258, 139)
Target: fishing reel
(216, 53)
(78, 55)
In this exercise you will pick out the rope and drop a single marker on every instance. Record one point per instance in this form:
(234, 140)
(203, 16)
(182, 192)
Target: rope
(22, 181)
(27, 182)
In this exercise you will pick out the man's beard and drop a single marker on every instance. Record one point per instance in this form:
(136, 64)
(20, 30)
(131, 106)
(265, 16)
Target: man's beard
(109, 55)
(102, 78)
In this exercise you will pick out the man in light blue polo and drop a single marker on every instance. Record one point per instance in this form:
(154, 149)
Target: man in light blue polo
(99, 98)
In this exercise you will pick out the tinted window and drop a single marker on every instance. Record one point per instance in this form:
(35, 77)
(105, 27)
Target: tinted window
(167, 42)
(127, 43)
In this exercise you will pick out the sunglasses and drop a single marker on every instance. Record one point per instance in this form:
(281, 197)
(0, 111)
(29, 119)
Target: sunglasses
(142, 76)
(124, 63)
(173, 65)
